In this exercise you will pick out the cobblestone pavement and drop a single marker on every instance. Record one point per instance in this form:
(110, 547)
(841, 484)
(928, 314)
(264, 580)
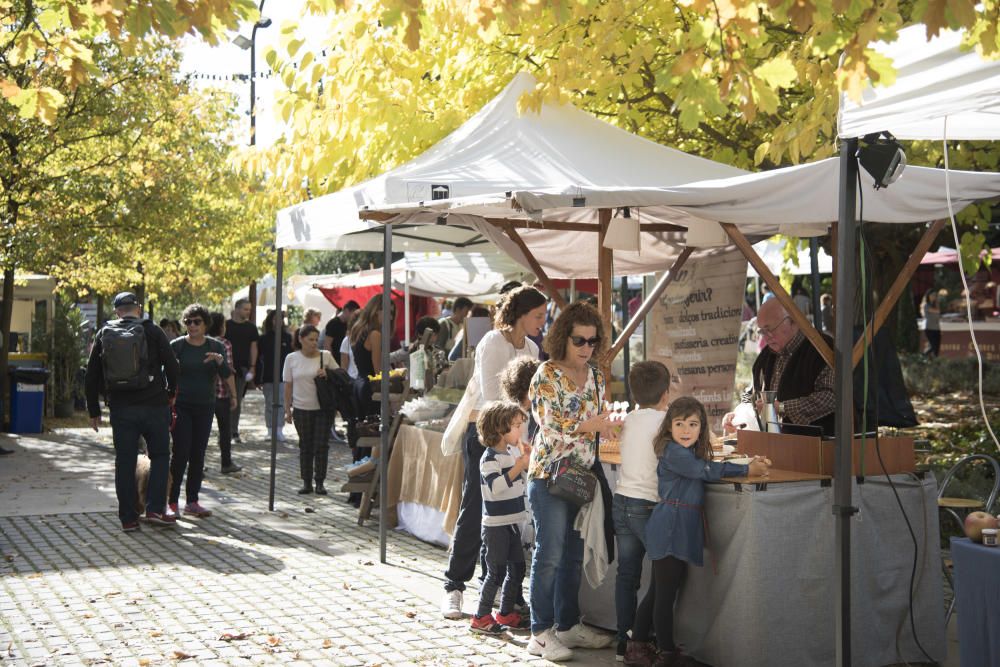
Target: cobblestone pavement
(301, 585)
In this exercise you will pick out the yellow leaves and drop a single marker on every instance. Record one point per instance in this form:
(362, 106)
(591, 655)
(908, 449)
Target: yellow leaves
(801, 14)
(9, 89)
(779, 72)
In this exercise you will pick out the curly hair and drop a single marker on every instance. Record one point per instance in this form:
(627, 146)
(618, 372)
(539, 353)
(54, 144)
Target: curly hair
(682, 408)
(496, 420)
(516, 378)
(197, 310)
(515, 304)
(577, 313)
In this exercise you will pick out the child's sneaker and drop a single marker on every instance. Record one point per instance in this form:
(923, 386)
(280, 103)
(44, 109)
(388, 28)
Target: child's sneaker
(514, 621)
(194, 509)
(451, 605)
(639, 654)
(172, 510)
(160, 519)
(580, 636)
(130, 526)
(486, 625)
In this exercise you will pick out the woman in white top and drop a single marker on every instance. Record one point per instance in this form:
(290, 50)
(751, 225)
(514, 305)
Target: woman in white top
(302, 407)
(520, 313)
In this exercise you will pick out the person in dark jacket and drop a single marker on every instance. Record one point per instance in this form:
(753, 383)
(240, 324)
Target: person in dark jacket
(271, 386)
(134, 412)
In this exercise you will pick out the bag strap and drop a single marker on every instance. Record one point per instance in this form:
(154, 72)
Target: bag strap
(597, 434)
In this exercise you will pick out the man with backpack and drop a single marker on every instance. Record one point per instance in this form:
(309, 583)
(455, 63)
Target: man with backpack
(132, 365)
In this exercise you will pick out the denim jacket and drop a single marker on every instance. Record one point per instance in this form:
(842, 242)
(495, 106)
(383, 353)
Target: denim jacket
(675, 528)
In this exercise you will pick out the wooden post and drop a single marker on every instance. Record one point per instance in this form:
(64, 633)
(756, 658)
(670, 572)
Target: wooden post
(604, 271)
(896, 290)
(535, 266)
(649, 302)
(779, 293)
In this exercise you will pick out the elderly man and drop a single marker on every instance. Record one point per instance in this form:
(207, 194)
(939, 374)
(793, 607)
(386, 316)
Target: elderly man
(791, 366)
(132, 364)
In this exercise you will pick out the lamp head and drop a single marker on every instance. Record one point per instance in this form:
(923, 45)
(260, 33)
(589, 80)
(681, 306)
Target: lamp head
(882, 157)
(242, 42)
(263, 22)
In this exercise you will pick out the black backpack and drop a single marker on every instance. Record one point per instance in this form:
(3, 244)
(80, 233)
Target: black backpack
(125, 355)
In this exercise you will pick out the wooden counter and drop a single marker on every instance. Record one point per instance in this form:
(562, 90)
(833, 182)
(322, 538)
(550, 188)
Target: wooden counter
(807, 454)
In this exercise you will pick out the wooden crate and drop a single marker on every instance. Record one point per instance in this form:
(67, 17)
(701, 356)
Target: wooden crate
(808, 454)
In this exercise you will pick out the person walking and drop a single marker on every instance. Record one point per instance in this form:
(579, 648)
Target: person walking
(270, 383)
(520, 314)
(138, 390)
(932, 322)
(302, 407)
(243, 335)
(225, 397)
(202, 360)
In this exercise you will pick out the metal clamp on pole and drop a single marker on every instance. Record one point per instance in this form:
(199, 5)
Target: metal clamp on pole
(842, 511)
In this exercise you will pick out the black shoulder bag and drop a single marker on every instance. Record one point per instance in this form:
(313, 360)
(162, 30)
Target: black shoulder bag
(326, 390)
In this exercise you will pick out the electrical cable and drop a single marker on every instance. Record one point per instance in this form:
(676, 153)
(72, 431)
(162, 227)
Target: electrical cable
(866, 258)
(965, 284)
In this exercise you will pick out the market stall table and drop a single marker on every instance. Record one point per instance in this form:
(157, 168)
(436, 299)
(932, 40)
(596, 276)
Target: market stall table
(765, 595)
(425, 487)
(977, 602)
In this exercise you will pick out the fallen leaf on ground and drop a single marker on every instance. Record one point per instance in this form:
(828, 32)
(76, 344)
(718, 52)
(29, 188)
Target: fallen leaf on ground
(230, 637)
(347, 586)
(411, 614)
(156, 633)
(181, 655)
(274, 641)
(327, 643)
(309, 510)
(144, 661)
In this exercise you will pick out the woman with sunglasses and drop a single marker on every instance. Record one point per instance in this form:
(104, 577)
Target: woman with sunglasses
(202, 361)
(566, 398)
(520, 314)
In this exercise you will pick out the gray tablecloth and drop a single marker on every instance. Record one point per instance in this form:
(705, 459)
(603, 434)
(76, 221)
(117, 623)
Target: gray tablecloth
(772, 599)
(977, 591)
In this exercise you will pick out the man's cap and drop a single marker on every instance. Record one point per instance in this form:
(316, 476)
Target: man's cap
(126, 299)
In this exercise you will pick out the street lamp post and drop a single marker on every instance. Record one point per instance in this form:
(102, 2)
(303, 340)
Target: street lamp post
(251, 44)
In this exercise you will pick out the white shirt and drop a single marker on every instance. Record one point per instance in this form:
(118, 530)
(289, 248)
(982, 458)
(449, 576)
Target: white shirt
(301, 371)
(637, 475)
(345, 348)
(492, 356)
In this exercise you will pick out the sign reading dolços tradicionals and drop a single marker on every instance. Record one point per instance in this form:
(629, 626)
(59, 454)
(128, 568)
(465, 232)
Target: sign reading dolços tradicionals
(694, 328)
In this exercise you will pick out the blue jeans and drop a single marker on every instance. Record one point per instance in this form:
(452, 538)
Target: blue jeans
(128, 422)
(630, 516)
(557, 562)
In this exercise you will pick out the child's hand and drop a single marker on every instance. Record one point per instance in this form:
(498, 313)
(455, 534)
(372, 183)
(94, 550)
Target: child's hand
(525, 448)
(759, 466)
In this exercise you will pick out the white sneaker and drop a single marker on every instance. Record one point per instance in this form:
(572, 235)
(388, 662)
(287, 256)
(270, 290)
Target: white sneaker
(548, 646)
(280, 435)
(451, 605)
(580, 636)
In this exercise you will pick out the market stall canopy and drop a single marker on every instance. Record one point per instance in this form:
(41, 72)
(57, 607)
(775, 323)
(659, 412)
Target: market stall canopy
(937, 81)
(496, 151)
(950, 256)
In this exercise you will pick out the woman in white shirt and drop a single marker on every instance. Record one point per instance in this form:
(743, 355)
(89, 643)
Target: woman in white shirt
(520, 313)
(302, 407)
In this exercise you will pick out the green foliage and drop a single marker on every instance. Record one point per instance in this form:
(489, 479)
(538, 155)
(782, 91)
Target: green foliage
(929, 376)
(66, 345)
(339, 261)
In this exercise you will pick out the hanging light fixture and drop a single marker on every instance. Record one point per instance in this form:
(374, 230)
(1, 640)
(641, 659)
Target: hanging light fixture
(882, 157)
(706, 234)
(623, 232)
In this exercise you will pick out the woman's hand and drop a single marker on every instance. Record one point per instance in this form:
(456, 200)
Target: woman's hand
(600, 423)
(288, 415)
(233, 402)
(321, 373)
(215, 357)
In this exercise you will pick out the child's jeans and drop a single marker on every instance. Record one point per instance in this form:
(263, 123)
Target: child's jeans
(630, 516)
(504, 565)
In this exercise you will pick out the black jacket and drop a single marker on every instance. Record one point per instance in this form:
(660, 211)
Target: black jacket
(162, 364)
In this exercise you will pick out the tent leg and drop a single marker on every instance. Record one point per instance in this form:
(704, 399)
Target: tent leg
(844, 390)
(276, 417)
(406, 308)
(383, 459)
(814, 270)
(628, 360)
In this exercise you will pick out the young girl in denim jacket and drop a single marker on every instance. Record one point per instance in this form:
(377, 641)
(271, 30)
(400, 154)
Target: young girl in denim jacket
(675, 531)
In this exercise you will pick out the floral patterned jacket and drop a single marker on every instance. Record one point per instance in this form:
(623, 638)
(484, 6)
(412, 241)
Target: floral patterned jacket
(558, 407)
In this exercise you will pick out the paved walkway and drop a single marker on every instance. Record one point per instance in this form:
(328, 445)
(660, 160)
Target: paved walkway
(301, 585)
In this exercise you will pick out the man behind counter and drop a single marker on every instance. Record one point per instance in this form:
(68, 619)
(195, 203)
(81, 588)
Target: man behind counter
(791, 366)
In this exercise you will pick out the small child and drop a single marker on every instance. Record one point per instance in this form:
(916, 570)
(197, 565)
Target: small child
(501, 476)
(635, 494)
(674, 533)
(514, 383)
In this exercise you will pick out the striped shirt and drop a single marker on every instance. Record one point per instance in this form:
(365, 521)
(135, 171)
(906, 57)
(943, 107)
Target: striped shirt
(503, 498)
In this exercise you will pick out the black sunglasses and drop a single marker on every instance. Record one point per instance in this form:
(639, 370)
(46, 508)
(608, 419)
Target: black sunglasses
(193, 320)
(580, 341)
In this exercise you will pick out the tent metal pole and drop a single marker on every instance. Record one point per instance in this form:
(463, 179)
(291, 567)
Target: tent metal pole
(383, 459)
(814, 270)
(844, 391)
(276, 400)
(406, 307)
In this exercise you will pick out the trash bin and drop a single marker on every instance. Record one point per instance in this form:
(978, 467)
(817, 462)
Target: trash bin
(27, 399)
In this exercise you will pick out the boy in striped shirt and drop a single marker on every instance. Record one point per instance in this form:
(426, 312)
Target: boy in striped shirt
(501, 476)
